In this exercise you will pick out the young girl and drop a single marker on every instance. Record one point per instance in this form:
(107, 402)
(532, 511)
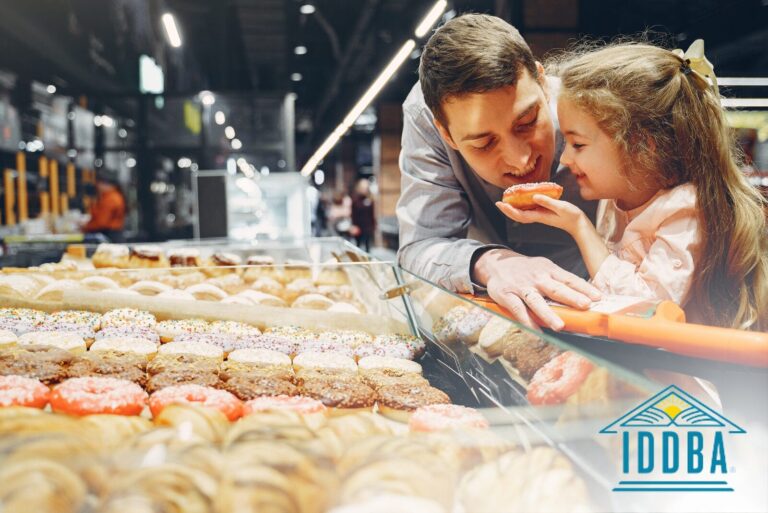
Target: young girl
(646, 132)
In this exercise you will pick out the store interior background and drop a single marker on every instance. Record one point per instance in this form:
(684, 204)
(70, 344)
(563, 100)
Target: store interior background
(256, 87)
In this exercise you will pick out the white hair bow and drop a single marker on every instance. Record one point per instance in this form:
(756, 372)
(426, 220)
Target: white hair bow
(697, 64)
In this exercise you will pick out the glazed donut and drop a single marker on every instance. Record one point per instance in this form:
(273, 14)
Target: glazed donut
(19, 391)
(441, 417)
(8, 338)
(208, 397)
(68, 341)
(560, 378)
(84, 396)
(136, 345)
(297, 403)
(331, 361)
(192, 347)
(370, 363)
(260, 357)
(521, 196)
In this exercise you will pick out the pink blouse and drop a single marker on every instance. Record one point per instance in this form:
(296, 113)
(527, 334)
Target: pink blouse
(654, 248)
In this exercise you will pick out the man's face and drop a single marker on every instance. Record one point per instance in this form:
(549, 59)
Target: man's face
(506, 134)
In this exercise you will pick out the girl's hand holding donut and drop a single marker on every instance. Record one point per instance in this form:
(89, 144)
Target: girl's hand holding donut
(552, 212)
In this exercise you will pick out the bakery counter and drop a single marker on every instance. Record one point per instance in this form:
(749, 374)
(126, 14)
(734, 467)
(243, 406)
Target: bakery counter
(143, 403)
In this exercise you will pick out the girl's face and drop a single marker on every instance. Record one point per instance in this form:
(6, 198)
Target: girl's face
(595, 160)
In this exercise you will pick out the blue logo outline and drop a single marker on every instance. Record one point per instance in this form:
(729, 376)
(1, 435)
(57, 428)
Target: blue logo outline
(696, 415)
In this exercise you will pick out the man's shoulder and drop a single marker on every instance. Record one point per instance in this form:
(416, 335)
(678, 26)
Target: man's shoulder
(414, 103)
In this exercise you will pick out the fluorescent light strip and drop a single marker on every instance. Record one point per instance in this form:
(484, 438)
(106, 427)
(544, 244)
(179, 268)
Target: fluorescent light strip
(744, 102)
(431, 18)
(169, 22)
(359, 107)
(743, 81)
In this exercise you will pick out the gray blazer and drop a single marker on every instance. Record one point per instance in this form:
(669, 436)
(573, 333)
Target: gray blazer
(447, 213)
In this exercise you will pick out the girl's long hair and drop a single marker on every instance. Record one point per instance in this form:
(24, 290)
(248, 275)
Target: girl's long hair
(670, 125)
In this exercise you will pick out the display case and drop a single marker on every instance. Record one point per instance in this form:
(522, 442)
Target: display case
(540, 438)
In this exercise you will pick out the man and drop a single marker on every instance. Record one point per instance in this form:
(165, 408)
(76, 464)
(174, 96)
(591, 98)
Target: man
(108, 212)
(480, 120)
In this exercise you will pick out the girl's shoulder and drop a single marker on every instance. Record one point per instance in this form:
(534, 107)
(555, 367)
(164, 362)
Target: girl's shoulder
(679, 201)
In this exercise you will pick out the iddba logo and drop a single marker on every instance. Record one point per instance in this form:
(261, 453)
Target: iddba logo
(673, 443)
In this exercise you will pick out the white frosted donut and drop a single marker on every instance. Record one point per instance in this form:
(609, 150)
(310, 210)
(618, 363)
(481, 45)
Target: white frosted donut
(99, 283)
(193, 347)
(172, 328)
(344, 307)
(127, 316)
(135, 345)
(18, 285)
(385, 362)
(176, 294)
(324, 361)
(264, 357)
(312, 302)
(256, 297)
(149, 287)
(55, 291)
(206, 292)
(63, 340)
(8, 338)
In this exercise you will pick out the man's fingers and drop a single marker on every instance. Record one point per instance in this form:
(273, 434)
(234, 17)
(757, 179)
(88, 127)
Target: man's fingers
(562, 293)
(578, 284)
(516, 308)
(538, 305)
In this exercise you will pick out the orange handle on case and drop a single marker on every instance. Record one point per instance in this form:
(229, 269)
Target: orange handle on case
(666, 330)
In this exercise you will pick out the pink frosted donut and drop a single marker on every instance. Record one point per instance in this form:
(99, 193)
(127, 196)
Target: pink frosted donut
(441, 417)
(86, 396)
(558, 379)
(297, 403)
(200, 395)
(20, 391)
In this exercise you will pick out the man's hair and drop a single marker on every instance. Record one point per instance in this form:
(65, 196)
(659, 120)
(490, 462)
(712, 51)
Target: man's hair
(473, 53)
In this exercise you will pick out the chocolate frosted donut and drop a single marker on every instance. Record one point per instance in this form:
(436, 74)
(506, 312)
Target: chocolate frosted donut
(46, 363)
(230, 370)
(529, 358)
(181, 377)
(383, 377)
(127, 366)
(408, 397)
(251, 386)
(182, 361)
(339, 394)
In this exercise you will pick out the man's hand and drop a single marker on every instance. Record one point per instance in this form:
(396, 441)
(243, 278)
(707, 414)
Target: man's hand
(520, 283)
(552, 212)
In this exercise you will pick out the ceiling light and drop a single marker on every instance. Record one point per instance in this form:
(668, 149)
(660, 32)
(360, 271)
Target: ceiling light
(300, 50)
(307, 9)
(171, 30)
(296, 77)
(229, 132)
(431, 18)
(219, 117)
(359, 107)
(236, 144)
(51, 89)
(744, 102)
(207, 98)
(743, 81)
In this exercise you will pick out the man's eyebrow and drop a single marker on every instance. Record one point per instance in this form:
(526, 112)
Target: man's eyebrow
(470, 137)
(528, 109)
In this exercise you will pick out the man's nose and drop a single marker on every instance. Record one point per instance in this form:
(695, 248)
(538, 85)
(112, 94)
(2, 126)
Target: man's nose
(517, 153)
